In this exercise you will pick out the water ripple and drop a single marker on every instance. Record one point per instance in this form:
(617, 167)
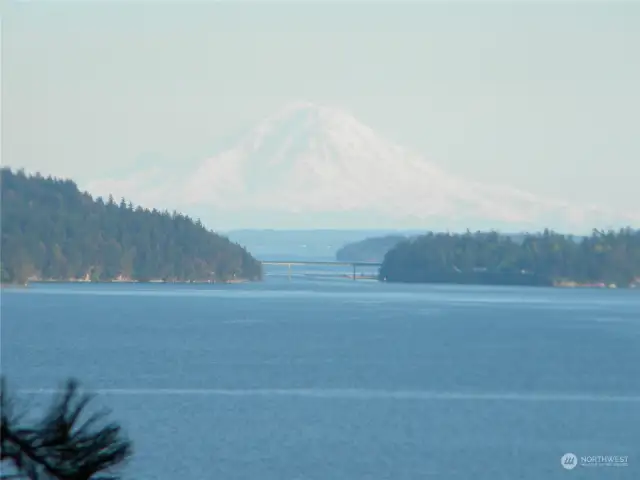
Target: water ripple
(359, 394)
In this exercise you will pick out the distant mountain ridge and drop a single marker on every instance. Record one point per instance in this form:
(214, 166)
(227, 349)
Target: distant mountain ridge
(313, 166)
(369, 250)
(317, 245)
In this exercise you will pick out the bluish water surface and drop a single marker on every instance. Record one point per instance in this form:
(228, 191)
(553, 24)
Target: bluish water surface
(332, 379)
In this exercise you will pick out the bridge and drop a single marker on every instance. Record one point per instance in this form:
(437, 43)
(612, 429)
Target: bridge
(291, 263)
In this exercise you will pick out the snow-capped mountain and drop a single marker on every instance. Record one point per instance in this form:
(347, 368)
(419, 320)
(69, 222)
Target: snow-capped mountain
(319, 162)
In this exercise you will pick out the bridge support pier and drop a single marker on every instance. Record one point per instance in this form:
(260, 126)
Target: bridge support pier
(289, 271)
(354, 271)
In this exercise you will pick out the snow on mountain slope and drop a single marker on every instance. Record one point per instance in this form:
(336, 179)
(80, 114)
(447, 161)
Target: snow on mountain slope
(315, 159)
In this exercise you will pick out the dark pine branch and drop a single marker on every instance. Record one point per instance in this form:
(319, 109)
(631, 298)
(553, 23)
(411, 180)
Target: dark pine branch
(59, 446)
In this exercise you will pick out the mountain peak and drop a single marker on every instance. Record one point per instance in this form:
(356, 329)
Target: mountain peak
(320, 160)
(308, 112)
(305, 125)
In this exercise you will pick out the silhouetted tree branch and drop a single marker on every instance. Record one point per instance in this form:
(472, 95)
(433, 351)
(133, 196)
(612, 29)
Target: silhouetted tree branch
(59, 446)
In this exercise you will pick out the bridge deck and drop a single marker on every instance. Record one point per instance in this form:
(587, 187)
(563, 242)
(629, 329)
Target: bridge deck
(327, 263)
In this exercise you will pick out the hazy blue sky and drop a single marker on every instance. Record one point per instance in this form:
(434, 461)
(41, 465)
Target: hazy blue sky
(541, 96)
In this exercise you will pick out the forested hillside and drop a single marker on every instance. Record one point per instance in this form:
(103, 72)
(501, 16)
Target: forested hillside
(546, 259)
(368, 250)
(51, 230)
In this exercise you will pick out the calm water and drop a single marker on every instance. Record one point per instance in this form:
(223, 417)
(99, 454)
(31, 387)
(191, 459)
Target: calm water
(332, 379)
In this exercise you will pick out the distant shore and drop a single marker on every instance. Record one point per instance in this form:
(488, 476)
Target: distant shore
(14, 285)
(199, 282)
(556, 284)
(571, 284)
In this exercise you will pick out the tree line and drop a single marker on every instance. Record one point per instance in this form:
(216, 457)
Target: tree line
(608, 257)
(51, 230)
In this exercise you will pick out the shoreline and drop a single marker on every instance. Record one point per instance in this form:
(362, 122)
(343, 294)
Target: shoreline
(185, 282)
(555, 284)
(14, 285)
